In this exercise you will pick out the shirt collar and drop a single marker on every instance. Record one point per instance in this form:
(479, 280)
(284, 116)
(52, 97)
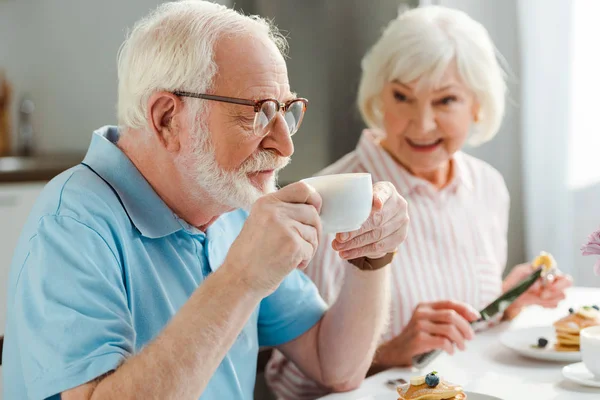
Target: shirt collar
(147, 211)
(383, 167)
(462, 175)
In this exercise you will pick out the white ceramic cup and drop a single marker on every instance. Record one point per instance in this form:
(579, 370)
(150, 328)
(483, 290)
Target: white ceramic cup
(347, 200)
(590, 349)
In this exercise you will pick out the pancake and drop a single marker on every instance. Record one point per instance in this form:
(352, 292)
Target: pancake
(568, 339)
(561, 342)
(544, 259)
(567, 343)
(560, 347)
(568, 328)
(548, 264)
(575, 322)
(568, 336)
(443, 391)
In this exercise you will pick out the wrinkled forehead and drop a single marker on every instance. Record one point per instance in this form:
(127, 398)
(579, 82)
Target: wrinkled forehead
(249, 65)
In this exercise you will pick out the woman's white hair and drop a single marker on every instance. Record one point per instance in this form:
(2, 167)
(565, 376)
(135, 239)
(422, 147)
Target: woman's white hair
(173, 49)
(421, 43)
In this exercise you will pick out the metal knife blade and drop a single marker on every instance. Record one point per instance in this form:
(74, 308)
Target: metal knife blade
(494, 308)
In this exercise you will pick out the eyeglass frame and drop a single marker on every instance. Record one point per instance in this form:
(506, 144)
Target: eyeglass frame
(257, 104)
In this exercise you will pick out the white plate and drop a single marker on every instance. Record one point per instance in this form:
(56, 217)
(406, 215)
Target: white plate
(393, 396)
(579, 373)
(521, 340)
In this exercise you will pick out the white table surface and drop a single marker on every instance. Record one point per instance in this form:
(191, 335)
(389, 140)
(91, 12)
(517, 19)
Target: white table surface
(488, 367)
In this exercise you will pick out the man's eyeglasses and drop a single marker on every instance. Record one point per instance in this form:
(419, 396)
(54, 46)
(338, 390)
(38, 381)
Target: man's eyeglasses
(265, 110)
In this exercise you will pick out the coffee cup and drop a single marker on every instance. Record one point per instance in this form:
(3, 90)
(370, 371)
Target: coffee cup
(346, 200)
(590, 349)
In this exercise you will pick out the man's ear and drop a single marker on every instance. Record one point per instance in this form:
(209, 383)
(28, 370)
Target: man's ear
(163, 110)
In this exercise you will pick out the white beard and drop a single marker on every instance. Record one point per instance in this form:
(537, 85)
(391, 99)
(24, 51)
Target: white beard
(230, 188)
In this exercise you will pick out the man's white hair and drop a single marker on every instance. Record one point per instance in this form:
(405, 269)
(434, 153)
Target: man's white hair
(173, 49)
(421, 43)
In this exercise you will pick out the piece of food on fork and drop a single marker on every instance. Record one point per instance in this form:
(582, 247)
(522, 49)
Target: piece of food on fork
(548, 264)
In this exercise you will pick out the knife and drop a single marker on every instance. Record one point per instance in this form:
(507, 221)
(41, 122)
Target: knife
(496, 307)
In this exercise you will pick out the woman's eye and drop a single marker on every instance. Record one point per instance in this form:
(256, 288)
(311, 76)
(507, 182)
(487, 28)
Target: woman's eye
(399, 96)
(447, 100)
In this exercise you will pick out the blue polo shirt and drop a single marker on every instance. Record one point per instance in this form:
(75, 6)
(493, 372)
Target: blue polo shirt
(101, 267)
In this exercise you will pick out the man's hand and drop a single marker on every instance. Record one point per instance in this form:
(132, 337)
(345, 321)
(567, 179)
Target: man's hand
(383, 232)
(281, 233)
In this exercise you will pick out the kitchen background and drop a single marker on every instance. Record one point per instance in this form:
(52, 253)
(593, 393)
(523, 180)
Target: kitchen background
(59, 58)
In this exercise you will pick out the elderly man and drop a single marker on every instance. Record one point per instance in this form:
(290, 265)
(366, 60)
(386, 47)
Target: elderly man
(140, 275)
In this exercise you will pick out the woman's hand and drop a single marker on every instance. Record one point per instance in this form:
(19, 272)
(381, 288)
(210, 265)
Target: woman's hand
(548, 295)
(440, 325)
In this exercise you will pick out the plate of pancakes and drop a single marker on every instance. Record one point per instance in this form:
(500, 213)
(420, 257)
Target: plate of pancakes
(430, 387)
(559, 342)
(393, 396)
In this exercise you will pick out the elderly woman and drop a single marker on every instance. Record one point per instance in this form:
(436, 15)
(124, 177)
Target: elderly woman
(430, 84)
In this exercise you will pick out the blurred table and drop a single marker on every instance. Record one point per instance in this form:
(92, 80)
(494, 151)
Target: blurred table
(38, 167)
(488, 367)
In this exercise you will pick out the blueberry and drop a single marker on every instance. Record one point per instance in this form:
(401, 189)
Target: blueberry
(542, 342)
(595, 307)
(571, 311)
(432, 380)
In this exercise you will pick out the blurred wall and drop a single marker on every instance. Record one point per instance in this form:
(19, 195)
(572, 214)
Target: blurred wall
(586, 211)
(504, 151)
(584, 136)
(63, 54)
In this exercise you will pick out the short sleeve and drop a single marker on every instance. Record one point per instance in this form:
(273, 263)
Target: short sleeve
(72, 315)
(290, 311)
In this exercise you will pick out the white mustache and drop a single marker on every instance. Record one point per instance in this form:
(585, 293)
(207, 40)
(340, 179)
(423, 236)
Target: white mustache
(265, 160)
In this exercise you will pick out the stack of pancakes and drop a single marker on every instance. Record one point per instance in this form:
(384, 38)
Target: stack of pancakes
(443, 391)
(568, 328)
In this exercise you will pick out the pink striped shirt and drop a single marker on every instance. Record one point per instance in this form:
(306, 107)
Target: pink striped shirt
(456, 246)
